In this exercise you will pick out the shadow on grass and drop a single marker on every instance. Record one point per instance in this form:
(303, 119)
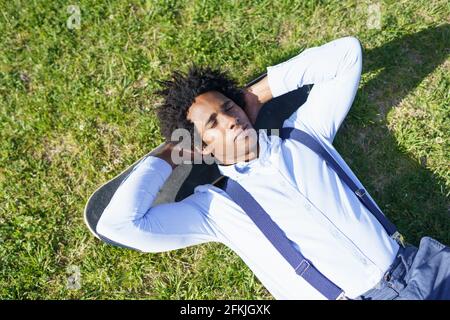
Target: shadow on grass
(412, 196)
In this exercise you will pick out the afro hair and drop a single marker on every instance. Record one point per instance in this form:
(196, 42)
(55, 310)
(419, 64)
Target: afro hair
(179, 93)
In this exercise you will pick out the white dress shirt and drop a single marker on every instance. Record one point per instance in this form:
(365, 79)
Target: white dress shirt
(317, 211)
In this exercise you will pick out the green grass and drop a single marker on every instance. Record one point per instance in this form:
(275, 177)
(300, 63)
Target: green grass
(77, 107)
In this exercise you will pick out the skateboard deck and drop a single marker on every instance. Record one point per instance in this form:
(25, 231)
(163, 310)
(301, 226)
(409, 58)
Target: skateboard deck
(185, 177)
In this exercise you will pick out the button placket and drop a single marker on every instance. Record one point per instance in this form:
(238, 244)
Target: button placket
(335, 232)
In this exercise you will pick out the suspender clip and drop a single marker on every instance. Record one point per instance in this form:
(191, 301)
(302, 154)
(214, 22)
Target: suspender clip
(360, 192)
(342, 296)
(397, 236)
(302, 267)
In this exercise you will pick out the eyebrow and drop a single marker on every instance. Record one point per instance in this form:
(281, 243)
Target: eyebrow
(213, 116)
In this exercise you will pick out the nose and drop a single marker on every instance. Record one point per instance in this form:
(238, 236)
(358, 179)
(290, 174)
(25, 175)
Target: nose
(234, 122)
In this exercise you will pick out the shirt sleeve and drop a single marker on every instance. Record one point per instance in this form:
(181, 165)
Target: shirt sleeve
(131, 220)
(335, 70)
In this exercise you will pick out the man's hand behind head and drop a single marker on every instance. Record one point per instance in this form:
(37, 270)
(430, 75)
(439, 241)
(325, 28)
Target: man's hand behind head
(255, 96)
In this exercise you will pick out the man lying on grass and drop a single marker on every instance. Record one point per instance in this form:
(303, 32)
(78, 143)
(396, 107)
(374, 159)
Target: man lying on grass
(322, 236)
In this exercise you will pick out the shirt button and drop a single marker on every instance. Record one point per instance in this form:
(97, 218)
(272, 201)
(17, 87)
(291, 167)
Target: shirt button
(365, 262)
(335, 233)
(307, 206)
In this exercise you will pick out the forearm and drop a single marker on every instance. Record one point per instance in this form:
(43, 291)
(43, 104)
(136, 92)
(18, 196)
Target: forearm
(255, 97)
(335, 69)
(131, 218)
(134, 197)
(314, 65)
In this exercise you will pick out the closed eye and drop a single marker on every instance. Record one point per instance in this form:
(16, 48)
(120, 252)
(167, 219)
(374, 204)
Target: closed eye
(212, 121)
(227, 106)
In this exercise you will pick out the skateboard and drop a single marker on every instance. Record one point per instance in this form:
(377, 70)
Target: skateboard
(185, 177)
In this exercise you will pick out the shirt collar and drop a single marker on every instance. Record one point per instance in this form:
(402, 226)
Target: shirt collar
(268, 153)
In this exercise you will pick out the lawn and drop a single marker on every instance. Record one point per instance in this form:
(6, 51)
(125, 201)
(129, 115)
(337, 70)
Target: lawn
(77, 106)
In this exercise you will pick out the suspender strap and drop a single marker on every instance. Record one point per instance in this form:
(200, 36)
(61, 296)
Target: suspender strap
(310, 142)
(277, 237)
